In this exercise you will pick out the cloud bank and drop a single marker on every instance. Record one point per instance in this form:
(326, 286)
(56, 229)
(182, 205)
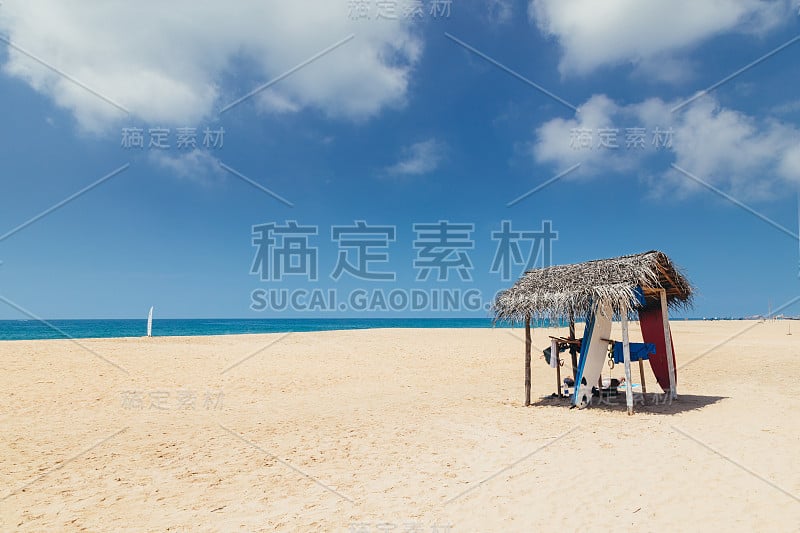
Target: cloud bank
(646, 34)
(175, 63)
(419, 158)
(750, 157)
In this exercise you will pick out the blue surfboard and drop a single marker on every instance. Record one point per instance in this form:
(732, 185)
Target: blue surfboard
(593, 354)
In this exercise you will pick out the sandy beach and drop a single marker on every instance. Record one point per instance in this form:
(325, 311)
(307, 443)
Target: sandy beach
(419, 430)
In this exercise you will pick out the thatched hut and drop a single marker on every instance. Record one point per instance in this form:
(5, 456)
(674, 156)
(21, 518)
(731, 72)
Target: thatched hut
(624, 285)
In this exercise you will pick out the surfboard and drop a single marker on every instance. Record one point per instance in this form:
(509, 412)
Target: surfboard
(150, 322)
(593, 355)
(651, 322)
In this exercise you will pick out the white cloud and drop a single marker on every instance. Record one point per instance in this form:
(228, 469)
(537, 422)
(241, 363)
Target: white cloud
(792, 106)
(664, 69)
(197, 166)
(594, 34)
(748, 157)
(271, 101)
(166, 62)
(789, 163)
(419, 158)
(558, 141)
(499, 11)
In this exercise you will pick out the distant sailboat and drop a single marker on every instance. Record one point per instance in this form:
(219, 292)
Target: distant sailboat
(150, 322)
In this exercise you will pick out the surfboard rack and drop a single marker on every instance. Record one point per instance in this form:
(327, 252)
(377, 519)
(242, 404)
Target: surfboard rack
(600, 290)
(597, 347)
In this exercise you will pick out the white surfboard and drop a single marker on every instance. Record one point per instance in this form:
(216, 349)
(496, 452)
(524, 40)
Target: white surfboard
(150, 322)
(593, 355)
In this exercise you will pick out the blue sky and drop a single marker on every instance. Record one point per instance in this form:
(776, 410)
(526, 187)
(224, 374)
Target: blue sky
(411, 120)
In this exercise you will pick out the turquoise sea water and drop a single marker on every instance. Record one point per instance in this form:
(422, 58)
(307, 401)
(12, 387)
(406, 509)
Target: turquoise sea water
(182, 327)
(82, 329)
(95, 329)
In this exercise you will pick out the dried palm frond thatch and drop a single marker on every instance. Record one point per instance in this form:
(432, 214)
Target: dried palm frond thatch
(564, 291)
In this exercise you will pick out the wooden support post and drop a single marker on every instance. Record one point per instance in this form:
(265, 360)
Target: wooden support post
(527, 360)
(573, 351)
(644, 386)
(668, 343)
(558, 376)
(626, 357)
(554, 353)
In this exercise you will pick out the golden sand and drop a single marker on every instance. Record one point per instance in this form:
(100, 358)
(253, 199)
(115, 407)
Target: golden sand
(336, 431)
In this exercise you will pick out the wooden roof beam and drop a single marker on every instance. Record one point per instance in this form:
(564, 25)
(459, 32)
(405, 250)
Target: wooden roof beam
(666, 275)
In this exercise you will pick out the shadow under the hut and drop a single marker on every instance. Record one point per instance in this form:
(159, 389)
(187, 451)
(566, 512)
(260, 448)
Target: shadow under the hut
(654, 403)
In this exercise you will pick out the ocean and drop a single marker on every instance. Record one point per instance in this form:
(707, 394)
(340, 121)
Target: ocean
(18, 330)
(85, 329)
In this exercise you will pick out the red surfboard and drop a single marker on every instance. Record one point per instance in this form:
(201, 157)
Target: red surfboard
(652, 323)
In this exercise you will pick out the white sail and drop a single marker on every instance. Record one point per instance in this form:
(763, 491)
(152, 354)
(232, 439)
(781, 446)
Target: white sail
(150, 322)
